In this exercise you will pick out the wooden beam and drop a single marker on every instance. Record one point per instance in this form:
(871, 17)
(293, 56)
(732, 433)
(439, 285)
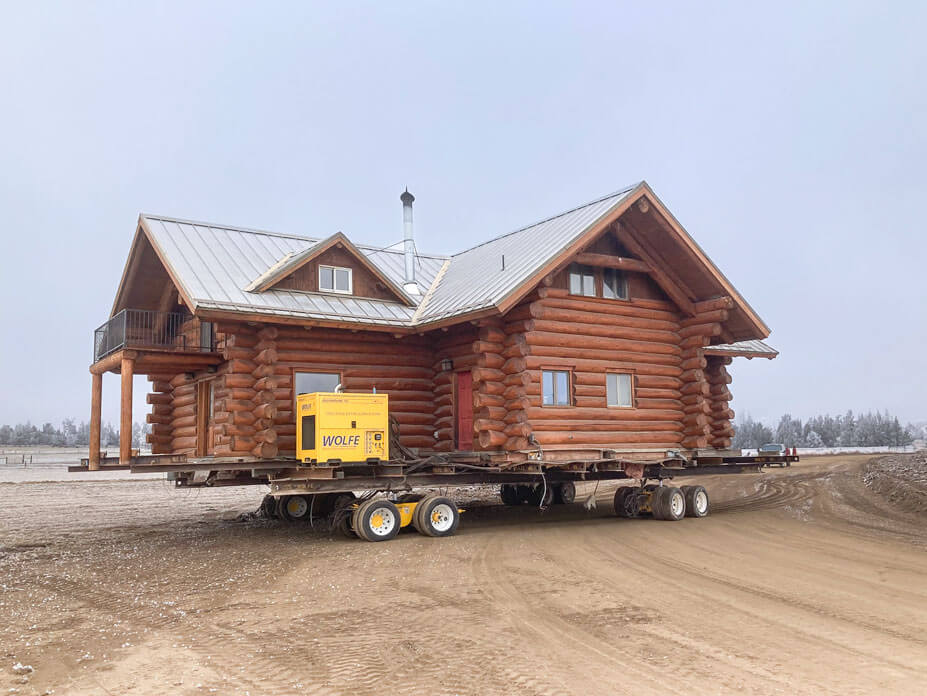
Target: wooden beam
(96, 404)
(125, 412)
(608, 261)
(675, 292)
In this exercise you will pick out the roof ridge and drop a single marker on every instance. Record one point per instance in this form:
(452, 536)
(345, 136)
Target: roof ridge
(287, 235)
(613, 194)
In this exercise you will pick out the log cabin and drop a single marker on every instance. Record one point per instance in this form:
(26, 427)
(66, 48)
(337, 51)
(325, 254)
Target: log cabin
(603, 329)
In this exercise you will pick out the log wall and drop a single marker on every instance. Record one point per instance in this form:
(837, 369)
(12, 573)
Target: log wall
(590, 337)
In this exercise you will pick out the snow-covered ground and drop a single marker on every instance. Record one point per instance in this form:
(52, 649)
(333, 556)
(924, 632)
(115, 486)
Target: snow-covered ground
(810, 451)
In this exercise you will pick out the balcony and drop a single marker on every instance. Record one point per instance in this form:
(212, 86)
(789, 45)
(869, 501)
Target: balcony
(143, 329)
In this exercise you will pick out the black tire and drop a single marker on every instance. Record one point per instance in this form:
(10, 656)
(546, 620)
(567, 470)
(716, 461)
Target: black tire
(657, 504)
(673, 503)
(438, 516)
(269, 507)
(697, 501)
(365, 520)
(295, 508)
(541, 495)
(623, 506)
(510, 494)
(565, 493)
(342, 514)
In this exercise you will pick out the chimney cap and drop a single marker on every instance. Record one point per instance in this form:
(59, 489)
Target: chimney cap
(407, 197)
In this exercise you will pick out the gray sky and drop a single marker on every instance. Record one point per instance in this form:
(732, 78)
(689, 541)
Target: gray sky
(790, 141)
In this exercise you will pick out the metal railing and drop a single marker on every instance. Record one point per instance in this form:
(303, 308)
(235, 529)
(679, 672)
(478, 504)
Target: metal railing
(144, 328)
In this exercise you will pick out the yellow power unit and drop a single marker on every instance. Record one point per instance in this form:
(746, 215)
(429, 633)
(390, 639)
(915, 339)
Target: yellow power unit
(337, 427)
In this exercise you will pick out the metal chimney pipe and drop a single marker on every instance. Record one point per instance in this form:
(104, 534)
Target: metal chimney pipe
(409, 285)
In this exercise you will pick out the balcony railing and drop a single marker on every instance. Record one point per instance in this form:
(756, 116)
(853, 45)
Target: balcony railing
(143, 328)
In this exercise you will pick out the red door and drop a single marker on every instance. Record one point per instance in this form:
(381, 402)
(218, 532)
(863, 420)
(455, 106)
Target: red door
(464, 411)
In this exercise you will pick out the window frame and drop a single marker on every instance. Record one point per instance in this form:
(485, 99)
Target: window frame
(632, 379)
(624, 284)
(568, 371)
(583, 272)
(334, 288)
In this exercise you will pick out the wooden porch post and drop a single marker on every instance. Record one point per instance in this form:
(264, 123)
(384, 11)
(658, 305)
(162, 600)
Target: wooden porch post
(125, 413)
(96, 404)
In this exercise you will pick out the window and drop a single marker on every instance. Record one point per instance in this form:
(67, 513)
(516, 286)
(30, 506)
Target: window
(618, 389)
(335, 279)
(614, 285)
(556, 387)
(582, 280)
(311, 382)
(207, 335)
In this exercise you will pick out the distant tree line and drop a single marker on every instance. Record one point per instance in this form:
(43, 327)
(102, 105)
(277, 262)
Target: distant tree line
(69, 434)
(865, 430)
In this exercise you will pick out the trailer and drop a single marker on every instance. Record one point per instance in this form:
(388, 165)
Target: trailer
(372, 498)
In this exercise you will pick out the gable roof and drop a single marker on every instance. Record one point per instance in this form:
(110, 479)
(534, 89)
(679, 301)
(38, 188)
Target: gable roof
(292, 261)
(233, 269)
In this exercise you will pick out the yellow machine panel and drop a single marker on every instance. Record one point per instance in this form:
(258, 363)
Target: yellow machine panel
(337, 427)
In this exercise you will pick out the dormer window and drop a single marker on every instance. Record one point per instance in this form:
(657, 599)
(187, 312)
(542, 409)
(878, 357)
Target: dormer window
(335, 279)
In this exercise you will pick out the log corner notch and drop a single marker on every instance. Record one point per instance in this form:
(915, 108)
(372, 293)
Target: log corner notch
(488, 402)
(701, 426)
(265, 410)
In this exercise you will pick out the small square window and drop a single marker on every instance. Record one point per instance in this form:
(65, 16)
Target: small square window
(311, 382)
(618, 389)
(555, 387)
(335, 279)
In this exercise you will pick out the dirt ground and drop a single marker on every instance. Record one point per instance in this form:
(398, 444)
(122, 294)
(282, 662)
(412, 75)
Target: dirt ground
(803, 580)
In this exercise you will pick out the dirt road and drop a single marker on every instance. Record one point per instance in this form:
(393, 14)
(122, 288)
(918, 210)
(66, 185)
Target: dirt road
(803, 580)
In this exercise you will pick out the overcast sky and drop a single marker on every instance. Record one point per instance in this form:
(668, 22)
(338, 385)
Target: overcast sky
(791, 141)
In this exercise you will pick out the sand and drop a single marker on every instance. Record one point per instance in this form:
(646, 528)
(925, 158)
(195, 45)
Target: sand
(809, 580)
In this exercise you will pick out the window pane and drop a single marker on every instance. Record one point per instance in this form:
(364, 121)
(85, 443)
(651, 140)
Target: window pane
(611, 389)
(547, 384)
(576, 283)
(326, 278)
(562, 389)
(311, 382)
(342, 279)
(624, 390)
(614, 286)
(588, 285)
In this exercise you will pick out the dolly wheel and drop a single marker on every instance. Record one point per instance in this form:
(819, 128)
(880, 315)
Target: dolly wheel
(377, 520)
(625, 506)
(269, 507)
(437, 516)
(668, 503)
(697, 503)
(564, 493)
(295, 508)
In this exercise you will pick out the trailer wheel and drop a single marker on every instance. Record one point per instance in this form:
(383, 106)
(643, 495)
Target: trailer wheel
(269, 507)
(697, 502)
(437, 516)
(377, 520)
(510, 494)
(565, 493)
(541, 495)
(295, 508)
(342, 514)
(625, 506)
(668, 503)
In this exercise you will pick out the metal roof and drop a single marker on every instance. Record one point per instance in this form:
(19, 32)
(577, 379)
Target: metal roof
(477, 279)
(214, 264)
(747, 349)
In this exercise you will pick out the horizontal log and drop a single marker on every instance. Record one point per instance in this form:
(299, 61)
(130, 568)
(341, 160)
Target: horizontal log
(605, 438)
(608, 326)
(516, 443)
(488, 424)
(152, 438)
(698, 442)
(517, 430)
(696, 363)
(540, 413)
(492, 334)
(491, 360)
(480, 400)
(608, 261)
(265, 450)
(271, 383)
(489, 413)
(721, 443)
(547, 338)
(519, 404)
(486, 374)
(711, 316)
(268, 435)
(490, 439)
(522, 379)
(558, 297)
(516, 416)
(159, 419)
(695, 388)
(598, 368)
(592, 426)
(487, 347)
(183, 443)
(692, 376)
(423, 441)
(265, 410)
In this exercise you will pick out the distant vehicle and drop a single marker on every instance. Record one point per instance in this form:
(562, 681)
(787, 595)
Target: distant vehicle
(774, 449)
